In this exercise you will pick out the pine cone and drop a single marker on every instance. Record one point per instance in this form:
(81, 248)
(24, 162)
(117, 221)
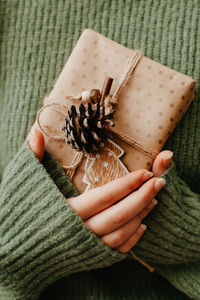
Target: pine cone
(86, 130)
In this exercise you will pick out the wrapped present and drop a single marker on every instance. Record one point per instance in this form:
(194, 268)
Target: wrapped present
(150, 99)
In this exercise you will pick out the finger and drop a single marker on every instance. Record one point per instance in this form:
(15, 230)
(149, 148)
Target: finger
(36, 143)
(118, 237)
(132, 241)
(117, 215)
(147, 209)
(101, 198)
(162, 162)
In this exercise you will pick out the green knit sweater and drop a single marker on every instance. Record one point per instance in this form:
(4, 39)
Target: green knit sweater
(46, 251)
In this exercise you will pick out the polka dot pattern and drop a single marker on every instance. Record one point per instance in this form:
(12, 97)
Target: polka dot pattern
(155, 103)
(149, 106)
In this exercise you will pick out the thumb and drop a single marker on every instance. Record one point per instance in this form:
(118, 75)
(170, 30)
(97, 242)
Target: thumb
(162, 162)
(37, 143)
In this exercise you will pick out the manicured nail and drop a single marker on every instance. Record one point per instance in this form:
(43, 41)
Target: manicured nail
(32, 138)
(147, 175)
(142, 228)
(167, 160)
(160, 182)
(153, 203)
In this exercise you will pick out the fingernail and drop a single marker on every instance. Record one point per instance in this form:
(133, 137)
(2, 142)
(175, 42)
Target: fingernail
(147, 175)
(153, 203)
(141, 229)
(159, 183)
(167, 160)
(32, 138)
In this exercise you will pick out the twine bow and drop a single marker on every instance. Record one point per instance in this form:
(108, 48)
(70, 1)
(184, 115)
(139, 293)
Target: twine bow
(63, 109)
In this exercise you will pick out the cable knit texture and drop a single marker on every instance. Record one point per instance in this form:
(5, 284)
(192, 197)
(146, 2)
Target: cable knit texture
(46, 251)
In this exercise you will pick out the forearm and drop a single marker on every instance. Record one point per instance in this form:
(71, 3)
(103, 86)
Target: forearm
(41, 237)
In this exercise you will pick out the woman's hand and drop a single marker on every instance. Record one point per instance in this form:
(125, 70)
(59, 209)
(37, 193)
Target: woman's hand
(115, 211)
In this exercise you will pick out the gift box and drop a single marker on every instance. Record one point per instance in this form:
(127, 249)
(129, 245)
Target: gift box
(150, 101)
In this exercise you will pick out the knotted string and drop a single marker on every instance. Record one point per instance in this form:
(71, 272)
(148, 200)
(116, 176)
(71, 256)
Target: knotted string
(62, 109)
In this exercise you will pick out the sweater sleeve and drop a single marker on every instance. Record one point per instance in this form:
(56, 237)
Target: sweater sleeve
(41, 238)
(172, 240)
(185, 278)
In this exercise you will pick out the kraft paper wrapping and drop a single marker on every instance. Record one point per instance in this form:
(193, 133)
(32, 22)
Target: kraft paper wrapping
(149, 106)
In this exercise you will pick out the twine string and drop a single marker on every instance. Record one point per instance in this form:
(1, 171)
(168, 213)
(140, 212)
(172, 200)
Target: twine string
(128, 72)
(62, 109)
(70, 170)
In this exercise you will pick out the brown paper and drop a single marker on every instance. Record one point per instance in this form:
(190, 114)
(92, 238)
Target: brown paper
(149, 106)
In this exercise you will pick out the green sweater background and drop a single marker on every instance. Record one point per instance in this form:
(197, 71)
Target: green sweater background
(46, 251)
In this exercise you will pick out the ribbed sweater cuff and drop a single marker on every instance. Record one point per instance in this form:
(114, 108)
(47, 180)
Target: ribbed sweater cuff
(41, 238)
(173, 228)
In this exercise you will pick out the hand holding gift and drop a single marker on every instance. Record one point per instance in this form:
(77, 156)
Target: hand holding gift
(151, 99)
(119, 226)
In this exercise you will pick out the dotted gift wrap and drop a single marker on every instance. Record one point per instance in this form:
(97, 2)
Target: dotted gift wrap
(148, 108)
